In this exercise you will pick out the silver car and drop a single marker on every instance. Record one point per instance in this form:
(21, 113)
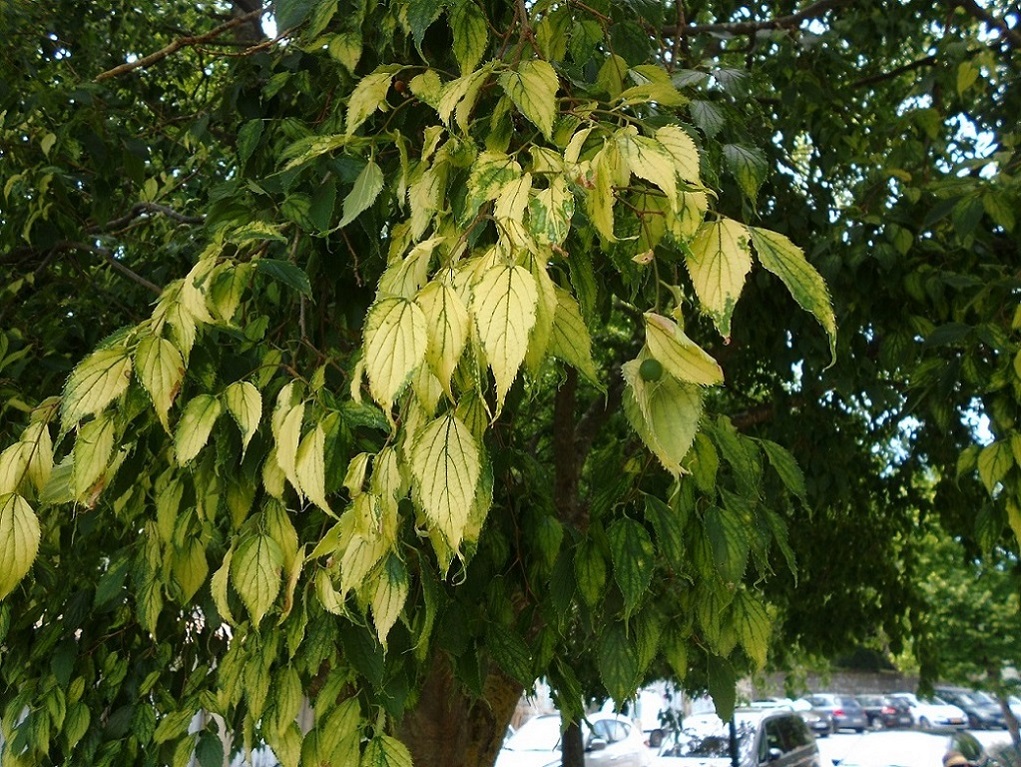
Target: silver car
(610, 740)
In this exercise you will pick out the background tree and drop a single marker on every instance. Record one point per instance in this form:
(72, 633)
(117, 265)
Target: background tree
(430, 390)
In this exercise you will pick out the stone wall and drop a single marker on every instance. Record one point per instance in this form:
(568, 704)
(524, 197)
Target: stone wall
(851, 682)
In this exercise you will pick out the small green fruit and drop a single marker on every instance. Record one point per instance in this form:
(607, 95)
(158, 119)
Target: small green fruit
(651, 370)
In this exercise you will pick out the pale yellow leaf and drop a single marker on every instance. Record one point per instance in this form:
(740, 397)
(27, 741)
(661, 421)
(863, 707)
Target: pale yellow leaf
(545, 310)
(92, 450)
(446, 464)
(189, 568)
(362, 554)
(504, 306)
(599, 199)
(19, 540)
(95, 383)
(354, 479)
(550, 211)
(679, 355)
(160, 370)
(718, 262)
(14, 467)
(287, 437)
(310, 468)
(512, 199)
(244, 403)
(218, 588)
(396, 339)
(389, 596)
(447, 328)
(193, 429)
(648, 160)
(458, 96)
(664, 413)
(533, 89)
(682, 150)
(39, 447)
(369, 94)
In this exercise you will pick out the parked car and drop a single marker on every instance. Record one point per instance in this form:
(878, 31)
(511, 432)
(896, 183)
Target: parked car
(918, 747)
(883, 712)
(983, 711)
(933, 712)
(609, 739)
(819, 721)
(845, 712)
(775, 736)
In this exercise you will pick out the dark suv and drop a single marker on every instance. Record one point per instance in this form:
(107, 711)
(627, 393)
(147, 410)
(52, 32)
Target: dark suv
(845, 711)
(883, 712)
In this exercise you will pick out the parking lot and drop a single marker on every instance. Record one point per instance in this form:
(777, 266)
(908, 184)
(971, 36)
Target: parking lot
(875, 747)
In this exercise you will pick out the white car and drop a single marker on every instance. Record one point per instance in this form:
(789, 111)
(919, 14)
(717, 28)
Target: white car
(933, 712)
(609, 739)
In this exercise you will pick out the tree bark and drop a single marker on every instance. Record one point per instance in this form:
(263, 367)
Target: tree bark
(449, 727)
(573, 747)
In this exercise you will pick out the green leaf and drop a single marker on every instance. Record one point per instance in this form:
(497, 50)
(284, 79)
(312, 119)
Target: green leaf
(420, 15)
(255, 573)
(244, 403)
(669, 527)
(92, 450)
(571, 341)
(749, 166)
(533, 89)
(504, 302)
(665, 414)
(753, 626)
(779, 255)
(617, 660)
(160, 369)
(368, 96)
(196, 423)
(718, 261)
(471, 34)
(510, 653)
(446, 464)
(389, 596)
(728, 536)
(366, 189)
(633, 564)
(286, 273)
(95, 383)
(396, 339)
(384, 751)
(786, 467)
(680, 356)
(19, 540)
(590, 572)
(994, 462)
(290, 13)
(722, 686)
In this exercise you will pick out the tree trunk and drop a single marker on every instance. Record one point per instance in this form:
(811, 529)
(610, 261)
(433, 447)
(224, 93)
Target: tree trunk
(573, 749)
(451, 728)
(1010, 720)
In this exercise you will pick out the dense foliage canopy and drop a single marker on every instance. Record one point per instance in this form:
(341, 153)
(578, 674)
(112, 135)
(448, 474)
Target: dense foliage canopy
(382, 358)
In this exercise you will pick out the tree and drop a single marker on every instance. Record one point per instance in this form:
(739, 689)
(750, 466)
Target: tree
(428, 403)
(973, 615)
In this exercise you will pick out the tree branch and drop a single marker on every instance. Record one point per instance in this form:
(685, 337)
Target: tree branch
(881, 76)
(146, 207)
(813, 11)
(971, 7)
(176, 45)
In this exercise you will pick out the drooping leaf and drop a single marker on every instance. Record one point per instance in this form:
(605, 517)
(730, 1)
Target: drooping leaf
(665, 414)
(749, 166)
(632, 552)
(447, 325)
(244, 403)
(196, 423)
(533, 89)
(160, 370)
(286, 273)
(366, 189)
(994, 462)
(310, 467)
(753, 626)
(779, 255)
(255, 573)
(649, 160)
(92, 451)
(368, 96)
(471, 34)
(446, 464)
(389, 597)
(679, 144)
(680, 356)
(396, 339)
(719, 260)
(19, 540)
(95, 383)
(385, 751)
(617, 660)
(504, 304)
(571, 340)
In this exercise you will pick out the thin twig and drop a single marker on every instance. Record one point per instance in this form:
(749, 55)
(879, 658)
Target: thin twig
(176, 45)
(111, 259)
(881, 76)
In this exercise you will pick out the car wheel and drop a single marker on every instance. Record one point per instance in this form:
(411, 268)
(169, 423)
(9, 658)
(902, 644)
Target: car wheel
(878, 723)
(859, 730)
(924, 723)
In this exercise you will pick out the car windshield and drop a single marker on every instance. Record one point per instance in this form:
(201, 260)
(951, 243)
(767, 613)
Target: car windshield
(984, 698)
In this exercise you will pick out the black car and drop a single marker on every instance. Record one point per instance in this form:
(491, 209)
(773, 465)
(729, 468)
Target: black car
(983, 712)
(883, 712)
